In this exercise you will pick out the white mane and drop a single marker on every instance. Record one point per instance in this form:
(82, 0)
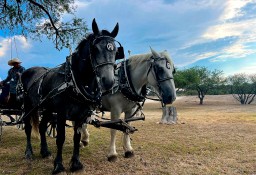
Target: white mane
(141, 58)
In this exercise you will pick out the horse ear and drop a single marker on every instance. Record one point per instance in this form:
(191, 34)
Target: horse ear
(115, 31)
(95, 28)
(154, 53)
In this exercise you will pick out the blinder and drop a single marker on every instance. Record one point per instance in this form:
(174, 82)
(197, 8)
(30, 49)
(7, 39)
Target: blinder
(110, 47)
(158, 71)
(120, 52)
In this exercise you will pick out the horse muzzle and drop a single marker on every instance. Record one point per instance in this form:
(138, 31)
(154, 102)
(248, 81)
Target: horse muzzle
(107, 83)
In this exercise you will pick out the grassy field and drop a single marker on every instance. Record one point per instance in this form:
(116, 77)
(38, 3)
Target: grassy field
(218, 137)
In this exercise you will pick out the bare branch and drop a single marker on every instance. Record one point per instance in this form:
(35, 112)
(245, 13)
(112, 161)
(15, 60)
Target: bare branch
(57, 35)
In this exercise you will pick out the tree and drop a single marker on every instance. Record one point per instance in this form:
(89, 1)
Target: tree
(200, 79)
(243, 87)
(35, 18)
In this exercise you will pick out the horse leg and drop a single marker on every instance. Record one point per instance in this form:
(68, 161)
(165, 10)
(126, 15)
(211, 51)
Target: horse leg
(75, 162)
(84, 136)
(58, 166)
(42, 129)
(28, 129)
(112, 155)
(128, 150)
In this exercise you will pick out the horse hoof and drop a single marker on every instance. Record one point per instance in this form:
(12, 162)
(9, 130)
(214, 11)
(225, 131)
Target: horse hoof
(28, 155)
(112, 158)
(76, 166)
(45, 154)
(128, 154)
(84, 143)
(58, 168)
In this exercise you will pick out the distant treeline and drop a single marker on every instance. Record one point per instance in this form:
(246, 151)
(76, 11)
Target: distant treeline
(202, 81)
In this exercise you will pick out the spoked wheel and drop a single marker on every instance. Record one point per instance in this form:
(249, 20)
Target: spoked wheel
(20, 126)
(52, 129)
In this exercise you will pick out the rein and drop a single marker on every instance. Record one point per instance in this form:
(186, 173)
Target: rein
(83, 97)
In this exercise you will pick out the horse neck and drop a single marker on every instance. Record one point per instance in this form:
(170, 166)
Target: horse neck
(139, 76)
(82, 70)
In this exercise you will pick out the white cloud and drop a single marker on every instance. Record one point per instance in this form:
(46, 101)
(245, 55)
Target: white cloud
(243, 31)
(233, 9)
(13, 45)
(82, 4)
(22, 42)
(4, 47)
(238, 50)
(239, 29)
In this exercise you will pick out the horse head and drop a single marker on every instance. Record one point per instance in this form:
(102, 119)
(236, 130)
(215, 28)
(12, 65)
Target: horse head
(162, 76)
(99, 50)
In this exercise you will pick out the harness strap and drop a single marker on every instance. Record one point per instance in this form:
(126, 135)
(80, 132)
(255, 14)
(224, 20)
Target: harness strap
(56, 91)
(126, 86)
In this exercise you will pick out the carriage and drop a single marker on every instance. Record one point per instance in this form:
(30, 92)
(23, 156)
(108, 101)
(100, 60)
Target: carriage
(10, 116)
(14, 117)
(72, 90)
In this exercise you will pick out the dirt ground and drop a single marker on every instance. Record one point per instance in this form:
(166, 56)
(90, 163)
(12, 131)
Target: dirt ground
(218, 137)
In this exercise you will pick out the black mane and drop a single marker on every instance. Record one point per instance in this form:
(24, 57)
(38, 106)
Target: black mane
(83, 43)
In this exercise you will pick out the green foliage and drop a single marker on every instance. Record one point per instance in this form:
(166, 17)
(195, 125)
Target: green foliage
(243, 87)
(35, 18)
(200, 79)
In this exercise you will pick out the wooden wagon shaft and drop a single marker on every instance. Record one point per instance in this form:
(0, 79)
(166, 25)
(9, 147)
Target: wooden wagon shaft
(10, 111)
(119, 124)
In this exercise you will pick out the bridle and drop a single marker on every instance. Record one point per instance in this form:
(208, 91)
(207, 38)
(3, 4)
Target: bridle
(95, 65)
(159, 80)
(110, 47)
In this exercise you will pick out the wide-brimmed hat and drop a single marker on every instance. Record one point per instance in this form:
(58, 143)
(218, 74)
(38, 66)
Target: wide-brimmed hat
(14, 60)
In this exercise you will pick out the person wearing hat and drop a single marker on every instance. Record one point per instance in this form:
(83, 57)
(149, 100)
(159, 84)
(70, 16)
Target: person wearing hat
(12, 79)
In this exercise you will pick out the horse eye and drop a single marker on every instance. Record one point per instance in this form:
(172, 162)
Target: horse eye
(168, 66)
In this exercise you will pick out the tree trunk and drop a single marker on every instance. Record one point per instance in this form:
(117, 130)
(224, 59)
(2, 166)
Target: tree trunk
(200, 96)
(169, 115)
(201, 101)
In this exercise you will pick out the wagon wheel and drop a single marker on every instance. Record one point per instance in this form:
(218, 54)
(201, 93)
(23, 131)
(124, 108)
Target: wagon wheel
(51, 129)
(20, 126)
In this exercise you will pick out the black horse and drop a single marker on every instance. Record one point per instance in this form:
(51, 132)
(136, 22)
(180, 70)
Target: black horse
(71, 91)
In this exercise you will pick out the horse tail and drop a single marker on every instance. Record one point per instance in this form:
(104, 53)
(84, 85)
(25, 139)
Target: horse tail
(35, 123)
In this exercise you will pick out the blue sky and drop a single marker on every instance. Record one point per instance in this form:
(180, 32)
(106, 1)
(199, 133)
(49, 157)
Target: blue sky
(217, 34)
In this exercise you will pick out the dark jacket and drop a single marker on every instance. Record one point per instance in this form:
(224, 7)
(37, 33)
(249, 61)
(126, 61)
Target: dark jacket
(13, 77)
